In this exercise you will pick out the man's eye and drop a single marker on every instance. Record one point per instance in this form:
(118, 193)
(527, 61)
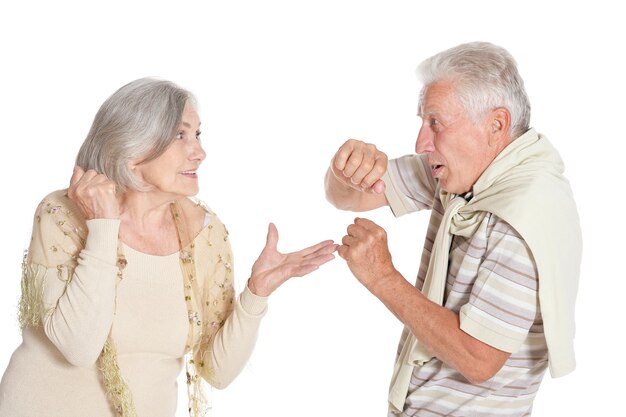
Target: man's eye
(435, 124)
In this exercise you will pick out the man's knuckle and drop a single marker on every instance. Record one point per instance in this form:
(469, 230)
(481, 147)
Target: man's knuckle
(367, 165)
(352, 163)
(379, 170)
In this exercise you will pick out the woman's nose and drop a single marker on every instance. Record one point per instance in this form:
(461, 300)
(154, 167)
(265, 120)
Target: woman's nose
(197, 152)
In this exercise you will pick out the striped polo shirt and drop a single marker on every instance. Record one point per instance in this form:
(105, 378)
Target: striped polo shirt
(492, 285)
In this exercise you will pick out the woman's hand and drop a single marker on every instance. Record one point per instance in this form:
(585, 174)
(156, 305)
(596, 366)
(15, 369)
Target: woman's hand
(94, 194)
(273, 268)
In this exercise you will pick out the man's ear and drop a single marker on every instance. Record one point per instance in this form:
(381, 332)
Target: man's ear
(499, 126)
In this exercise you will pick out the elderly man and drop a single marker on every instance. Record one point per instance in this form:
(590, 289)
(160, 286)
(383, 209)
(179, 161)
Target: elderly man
(493, 306)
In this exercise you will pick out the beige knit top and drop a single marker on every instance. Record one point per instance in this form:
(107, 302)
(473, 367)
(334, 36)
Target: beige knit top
(73, 301)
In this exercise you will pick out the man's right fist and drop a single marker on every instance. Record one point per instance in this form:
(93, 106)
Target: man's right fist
(360, 165)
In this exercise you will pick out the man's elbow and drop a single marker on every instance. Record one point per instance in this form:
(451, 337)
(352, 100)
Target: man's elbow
(481, 371)
(478, 377)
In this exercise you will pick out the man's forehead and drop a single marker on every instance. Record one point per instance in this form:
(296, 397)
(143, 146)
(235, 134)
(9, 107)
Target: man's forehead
(438, 99)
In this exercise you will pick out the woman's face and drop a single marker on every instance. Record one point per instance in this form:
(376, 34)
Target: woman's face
(174, 172)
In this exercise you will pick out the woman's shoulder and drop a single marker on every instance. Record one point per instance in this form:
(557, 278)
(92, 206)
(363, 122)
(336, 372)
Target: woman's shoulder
(60, 210)
(58, 201)
(203, 221)
(58, 228)
(60, 206)
(201, 212)
(201, 205)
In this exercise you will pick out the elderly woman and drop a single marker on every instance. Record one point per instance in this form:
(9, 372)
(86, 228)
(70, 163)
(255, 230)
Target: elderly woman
(127, 276)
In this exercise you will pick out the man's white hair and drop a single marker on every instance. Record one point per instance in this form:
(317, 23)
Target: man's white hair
(485, 78)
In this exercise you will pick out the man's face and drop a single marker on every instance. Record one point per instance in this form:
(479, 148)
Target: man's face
(458, 149)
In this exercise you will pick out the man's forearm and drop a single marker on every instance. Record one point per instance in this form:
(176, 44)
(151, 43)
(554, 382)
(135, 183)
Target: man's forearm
(347, 198)
(338, 194)
(438, 329)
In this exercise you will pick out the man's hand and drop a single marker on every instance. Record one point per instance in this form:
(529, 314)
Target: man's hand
(94, 194)
(366, 251)
(360, 165)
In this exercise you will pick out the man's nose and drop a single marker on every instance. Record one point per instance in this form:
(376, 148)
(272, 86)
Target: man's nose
(424, 142)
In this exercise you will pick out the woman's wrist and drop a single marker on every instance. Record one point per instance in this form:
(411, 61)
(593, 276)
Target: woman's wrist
(256, 288)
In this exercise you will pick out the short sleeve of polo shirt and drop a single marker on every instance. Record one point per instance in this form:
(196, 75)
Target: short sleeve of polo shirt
(409, 185)
(504, 300)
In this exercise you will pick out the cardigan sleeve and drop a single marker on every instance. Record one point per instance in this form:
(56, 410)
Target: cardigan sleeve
(234, 342)
(70, 278)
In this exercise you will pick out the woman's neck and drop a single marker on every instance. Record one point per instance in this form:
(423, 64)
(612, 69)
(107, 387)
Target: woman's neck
(147, 223)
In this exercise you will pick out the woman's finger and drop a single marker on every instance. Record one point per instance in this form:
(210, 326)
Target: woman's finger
(321, 259)
(303, 270)
(77, 173)
(312, 249)
(271, 242)
(321, 251)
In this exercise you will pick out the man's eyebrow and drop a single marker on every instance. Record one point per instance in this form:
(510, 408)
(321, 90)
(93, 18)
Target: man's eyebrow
(428, 113)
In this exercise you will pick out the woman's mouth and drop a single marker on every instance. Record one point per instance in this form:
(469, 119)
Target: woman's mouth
(190, 174)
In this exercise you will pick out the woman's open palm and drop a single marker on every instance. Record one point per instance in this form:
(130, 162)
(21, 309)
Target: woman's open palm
(273, 268)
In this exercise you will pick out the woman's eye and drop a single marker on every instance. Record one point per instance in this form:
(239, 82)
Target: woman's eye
(180, 135)
(198, 133)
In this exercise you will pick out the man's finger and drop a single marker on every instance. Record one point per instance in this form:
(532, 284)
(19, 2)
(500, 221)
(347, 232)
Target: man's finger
(342, 155)
(342, 251)
(375, 173)
(349, 240)
(353, 163)
(356, 230)
(379, 187)
(366, 224)
(363, 171)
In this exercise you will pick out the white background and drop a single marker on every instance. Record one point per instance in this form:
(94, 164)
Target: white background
(281, 85)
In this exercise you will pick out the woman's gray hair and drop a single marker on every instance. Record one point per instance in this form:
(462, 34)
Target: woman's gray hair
(137, 123)
(485, 77)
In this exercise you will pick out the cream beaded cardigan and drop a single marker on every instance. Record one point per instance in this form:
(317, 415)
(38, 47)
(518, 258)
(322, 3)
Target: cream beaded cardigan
(59, 236)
